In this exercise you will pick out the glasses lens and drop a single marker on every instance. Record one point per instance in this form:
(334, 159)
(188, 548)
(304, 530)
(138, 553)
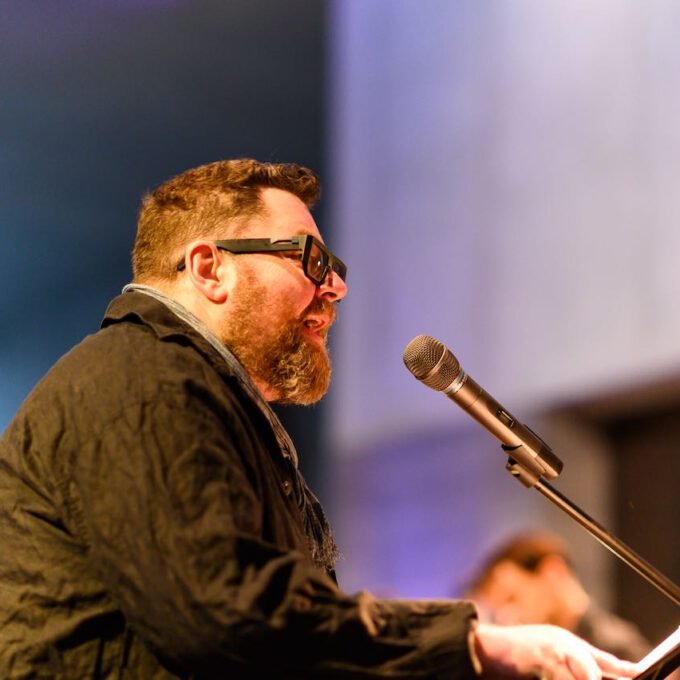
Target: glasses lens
(340, 269)
(317, 264)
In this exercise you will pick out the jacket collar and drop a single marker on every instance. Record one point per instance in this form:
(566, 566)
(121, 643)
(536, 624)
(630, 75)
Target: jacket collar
(170, 320)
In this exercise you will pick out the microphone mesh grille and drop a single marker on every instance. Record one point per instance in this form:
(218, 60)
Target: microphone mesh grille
(423, 354)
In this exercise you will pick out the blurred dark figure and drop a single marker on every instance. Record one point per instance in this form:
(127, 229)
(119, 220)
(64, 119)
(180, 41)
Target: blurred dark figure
(530, 579)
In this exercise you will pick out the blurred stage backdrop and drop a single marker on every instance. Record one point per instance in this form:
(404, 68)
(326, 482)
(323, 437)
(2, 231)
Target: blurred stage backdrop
(499, 174)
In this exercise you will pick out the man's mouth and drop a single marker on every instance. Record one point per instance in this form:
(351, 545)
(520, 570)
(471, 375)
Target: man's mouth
(316, 327)
(317, 320)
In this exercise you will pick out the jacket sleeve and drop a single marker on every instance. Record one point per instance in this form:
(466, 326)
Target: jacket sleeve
(172, 519)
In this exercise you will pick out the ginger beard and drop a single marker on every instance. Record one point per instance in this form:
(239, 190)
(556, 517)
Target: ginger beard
(295, 367)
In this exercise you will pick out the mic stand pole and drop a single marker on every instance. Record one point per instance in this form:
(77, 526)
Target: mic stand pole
(620, 549)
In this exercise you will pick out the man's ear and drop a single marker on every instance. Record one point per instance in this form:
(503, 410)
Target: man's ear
(209, 272)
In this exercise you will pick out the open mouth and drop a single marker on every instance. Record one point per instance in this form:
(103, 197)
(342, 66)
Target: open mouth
(317, 320)
(316, 329)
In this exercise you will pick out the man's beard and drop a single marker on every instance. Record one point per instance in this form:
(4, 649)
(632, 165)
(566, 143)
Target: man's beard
(294, 367)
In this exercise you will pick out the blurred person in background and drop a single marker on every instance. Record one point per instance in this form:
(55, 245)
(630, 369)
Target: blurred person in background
(530, 579)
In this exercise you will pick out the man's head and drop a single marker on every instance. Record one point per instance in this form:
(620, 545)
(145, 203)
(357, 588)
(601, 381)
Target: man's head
(529, 579)
(210, 201)
(271, 307)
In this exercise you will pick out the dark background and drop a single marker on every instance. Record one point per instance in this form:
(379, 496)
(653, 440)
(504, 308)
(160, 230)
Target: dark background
(102, 100)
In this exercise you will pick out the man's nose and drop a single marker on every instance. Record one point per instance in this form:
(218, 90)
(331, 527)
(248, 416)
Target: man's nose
(333, 288)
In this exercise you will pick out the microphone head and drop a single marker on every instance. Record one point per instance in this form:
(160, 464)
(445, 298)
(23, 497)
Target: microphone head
(431, 362)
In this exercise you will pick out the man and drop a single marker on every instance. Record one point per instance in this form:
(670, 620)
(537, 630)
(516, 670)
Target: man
(154, 521)
(529, 579)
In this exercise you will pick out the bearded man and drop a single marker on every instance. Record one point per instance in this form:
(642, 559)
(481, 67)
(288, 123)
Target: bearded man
(154, 522)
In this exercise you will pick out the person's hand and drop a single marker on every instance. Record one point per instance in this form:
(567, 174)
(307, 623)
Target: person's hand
(545, 652)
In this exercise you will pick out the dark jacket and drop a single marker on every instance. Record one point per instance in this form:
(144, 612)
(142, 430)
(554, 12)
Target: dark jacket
(150, 527)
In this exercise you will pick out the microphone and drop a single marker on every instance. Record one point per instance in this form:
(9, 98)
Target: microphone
(432, 363)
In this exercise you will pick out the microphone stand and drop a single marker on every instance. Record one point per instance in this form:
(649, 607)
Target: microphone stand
(531, 479)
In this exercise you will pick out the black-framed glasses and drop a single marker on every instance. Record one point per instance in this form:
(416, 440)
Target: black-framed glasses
(316, 259)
